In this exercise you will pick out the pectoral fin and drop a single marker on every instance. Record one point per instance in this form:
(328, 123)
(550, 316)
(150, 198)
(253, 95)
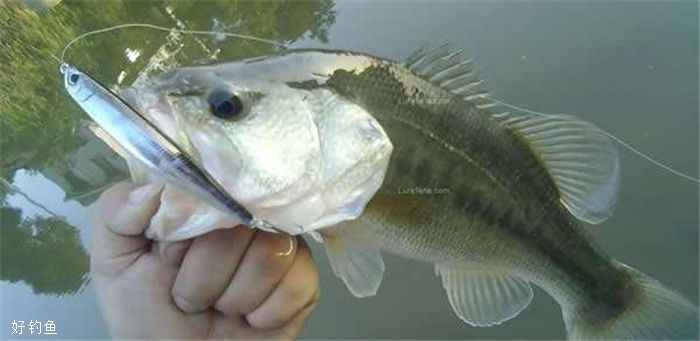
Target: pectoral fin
(481, 296)
(361, 268)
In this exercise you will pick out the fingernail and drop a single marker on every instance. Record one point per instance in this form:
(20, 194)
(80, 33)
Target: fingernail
(185, 305)
(143, 193)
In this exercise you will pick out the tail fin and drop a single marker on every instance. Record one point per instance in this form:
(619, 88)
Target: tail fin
(656, 312)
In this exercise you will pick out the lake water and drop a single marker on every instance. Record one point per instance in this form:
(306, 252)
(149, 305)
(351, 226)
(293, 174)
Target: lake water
(629, 67)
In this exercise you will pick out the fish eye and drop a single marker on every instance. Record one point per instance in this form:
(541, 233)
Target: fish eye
(73, 78)
(225, 104)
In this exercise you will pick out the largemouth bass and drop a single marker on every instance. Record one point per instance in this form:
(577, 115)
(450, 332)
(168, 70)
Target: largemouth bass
(372, 155)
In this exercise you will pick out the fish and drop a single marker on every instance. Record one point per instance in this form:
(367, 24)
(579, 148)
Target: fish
(132, 135)
(371, 155)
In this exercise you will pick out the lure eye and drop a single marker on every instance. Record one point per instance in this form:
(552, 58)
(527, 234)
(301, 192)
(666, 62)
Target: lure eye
(73, 78)
(225, 104)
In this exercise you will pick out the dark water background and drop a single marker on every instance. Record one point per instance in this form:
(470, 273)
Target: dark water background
(631, 68)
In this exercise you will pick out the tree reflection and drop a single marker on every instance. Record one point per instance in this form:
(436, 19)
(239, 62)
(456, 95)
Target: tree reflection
(32, 101)
(45, 253)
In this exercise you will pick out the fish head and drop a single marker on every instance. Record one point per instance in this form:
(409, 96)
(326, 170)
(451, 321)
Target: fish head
(299, 158)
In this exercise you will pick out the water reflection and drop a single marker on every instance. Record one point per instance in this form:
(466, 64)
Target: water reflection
(583, 58)
(43, 252)
(44, 132)
(88, 169)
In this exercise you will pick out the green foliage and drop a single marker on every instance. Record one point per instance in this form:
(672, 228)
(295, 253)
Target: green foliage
(37, 119)
(45, 253)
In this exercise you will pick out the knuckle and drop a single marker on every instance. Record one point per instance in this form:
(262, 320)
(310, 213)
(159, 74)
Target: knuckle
(306, 291)
(295, 301)
(298, 293)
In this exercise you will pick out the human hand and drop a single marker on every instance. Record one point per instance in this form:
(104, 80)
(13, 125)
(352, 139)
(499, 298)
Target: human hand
(229, 283)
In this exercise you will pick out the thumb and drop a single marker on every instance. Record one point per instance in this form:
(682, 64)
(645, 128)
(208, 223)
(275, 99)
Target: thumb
(123, 213)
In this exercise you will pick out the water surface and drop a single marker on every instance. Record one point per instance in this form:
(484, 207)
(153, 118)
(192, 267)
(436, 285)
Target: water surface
(631, 68)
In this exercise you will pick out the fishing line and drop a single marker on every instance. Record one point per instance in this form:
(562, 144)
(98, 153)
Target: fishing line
(45, 53)
(616, 139)
(165, 29)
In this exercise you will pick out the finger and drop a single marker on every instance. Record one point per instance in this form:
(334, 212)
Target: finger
(293, 328)
(126, 208)
(208, 267)
(172, 253)
(123, 212)
(236, 327)
(265, 262)
(297, 290)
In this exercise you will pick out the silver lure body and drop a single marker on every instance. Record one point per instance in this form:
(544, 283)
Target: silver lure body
(147, 144)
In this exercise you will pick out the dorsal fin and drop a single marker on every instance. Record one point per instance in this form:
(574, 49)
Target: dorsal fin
(450, 70)
(581, 159)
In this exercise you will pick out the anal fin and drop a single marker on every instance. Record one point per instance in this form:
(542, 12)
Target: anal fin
(482, 296)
